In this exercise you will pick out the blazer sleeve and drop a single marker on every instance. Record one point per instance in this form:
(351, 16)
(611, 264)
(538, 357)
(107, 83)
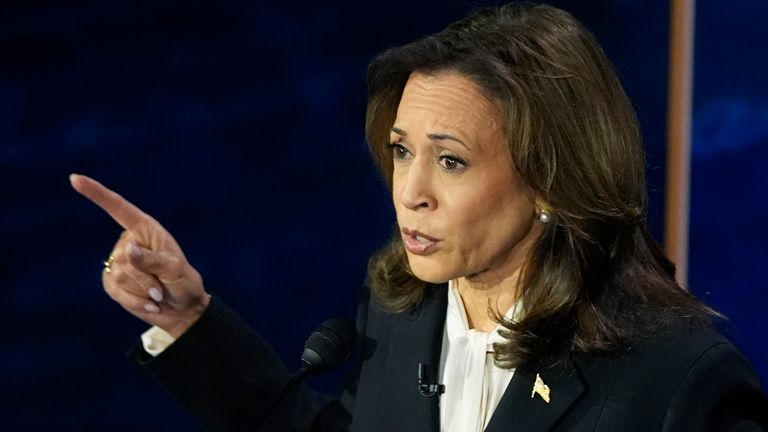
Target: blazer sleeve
(227, 376)
(720, 392)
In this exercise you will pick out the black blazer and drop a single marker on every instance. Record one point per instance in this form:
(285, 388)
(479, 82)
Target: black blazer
(692, 379)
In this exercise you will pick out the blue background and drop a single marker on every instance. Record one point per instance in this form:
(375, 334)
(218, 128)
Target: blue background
(239, 125)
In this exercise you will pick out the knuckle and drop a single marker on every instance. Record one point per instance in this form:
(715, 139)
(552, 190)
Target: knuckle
(196, 277)
(176, 264)
(124, 236)
(111, 291)
(166, 264)
(180, 270)
(119, 277)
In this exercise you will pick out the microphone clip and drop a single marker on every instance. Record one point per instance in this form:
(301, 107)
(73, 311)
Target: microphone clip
(425, 388)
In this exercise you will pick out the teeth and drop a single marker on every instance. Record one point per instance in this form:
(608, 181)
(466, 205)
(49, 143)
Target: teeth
(421, 239)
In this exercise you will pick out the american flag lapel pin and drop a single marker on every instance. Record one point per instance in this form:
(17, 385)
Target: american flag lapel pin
(540, 388)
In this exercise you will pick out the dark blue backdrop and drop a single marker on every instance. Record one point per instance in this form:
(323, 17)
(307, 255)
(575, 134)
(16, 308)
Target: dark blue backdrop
(240, 127)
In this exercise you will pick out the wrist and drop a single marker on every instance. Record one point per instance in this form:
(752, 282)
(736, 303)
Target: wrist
(192, 316)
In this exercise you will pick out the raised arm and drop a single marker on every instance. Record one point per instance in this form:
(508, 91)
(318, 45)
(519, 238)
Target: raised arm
(147, 272)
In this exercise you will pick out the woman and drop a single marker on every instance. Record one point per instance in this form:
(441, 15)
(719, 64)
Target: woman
(521, 275)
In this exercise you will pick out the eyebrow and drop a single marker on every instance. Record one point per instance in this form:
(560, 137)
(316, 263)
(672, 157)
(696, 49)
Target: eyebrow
(433, 136)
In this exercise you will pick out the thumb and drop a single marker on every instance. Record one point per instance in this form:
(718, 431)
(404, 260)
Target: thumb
(163, 265)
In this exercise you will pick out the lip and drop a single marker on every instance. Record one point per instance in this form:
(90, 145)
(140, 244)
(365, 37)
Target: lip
(419, 243)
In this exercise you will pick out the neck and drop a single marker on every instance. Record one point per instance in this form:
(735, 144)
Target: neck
(481, 295)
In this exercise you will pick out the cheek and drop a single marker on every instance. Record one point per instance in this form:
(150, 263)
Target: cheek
(397, 184)
(490, 226)
(478, 226)
(396, 201)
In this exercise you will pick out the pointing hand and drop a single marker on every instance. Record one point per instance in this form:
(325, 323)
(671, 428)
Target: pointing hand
(147, 273)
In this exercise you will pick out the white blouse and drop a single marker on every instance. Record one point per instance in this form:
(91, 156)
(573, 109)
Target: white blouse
(474, 385)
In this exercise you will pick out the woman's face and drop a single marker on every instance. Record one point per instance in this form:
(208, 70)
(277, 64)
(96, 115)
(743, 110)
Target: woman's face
(461, 206)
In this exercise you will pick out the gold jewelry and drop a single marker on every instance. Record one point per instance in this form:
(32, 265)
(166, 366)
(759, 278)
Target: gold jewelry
(540, 388)
(108, 264)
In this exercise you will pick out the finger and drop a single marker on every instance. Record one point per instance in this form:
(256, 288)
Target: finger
(124, 294)
(118, 278)
(114, 273)
(148, 283)
(165, 266)
(135, 304)
(122, 211)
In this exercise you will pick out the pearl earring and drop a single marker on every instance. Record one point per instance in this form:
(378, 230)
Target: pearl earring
(544, 216)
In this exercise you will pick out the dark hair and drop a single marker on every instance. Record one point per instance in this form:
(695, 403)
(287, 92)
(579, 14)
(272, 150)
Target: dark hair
(595, 280)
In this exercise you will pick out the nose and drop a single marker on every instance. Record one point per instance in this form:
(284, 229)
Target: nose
(417, 191)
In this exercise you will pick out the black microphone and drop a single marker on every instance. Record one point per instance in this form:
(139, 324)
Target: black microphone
(327, 347)
(426, 388)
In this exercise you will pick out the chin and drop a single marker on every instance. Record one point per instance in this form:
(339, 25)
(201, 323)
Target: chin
(427, 270)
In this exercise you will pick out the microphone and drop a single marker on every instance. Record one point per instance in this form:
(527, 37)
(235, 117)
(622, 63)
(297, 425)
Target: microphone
(428, 389)
(327, 347)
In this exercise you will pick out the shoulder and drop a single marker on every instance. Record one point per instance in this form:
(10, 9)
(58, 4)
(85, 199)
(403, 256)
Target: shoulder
(680, 349)
(672, 353)
(690, 377)
(683, 352)
(717, 387)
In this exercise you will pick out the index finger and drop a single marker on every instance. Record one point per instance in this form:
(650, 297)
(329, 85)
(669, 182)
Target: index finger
(122, 211)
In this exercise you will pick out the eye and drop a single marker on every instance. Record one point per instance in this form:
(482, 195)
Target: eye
(398, 151)
(452, 163)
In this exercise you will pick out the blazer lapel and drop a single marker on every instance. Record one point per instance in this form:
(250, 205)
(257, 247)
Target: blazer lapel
(419, 336)
(518, 411)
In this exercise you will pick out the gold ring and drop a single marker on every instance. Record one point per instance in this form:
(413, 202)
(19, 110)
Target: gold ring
(108, 264)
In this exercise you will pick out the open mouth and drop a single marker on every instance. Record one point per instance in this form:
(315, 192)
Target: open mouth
(418, 243)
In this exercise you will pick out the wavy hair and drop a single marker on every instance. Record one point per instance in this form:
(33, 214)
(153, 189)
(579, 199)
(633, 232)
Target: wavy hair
(595, 280)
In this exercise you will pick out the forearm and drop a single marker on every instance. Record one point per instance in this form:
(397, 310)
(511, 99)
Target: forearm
(226, 375)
